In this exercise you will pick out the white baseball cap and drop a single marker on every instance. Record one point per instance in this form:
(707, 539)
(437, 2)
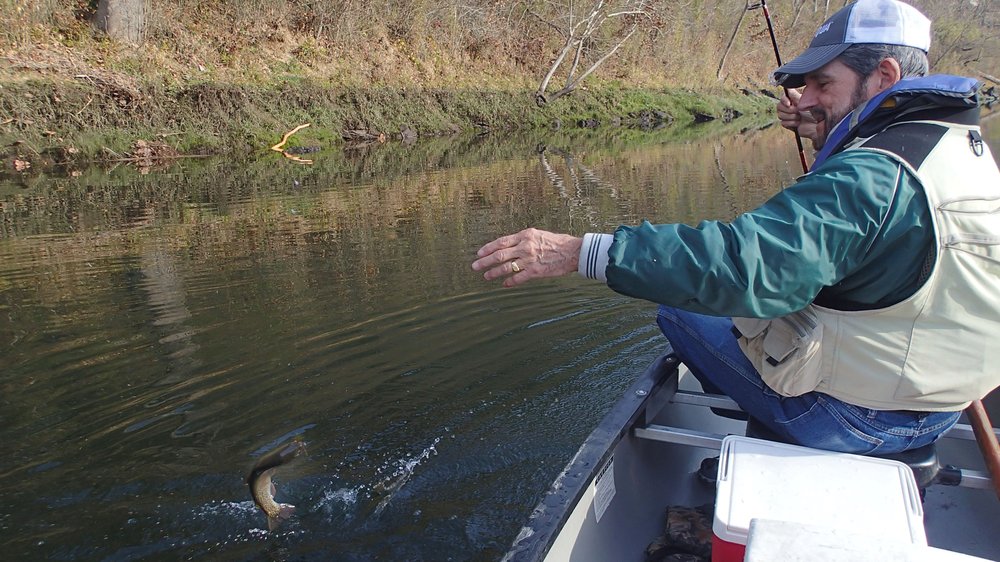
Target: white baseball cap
(885, 22)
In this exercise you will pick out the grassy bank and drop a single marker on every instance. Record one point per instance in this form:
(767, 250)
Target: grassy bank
(50, 122)
(234, 75)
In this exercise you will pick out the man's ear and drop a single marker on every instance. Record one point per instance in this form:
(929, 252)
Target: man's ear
(886, 74)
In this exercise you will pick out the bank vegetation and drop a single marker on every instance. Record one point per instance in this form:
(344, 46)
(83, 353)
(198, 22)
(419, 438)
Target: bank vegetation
(188, 76)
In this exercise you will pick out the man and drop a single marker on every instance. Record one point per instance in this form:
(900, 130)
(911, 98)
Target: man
(863, 300)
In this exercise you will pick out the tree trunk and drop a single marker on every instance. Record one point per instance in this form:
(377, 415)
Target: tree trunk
(123, 20)
(798, 11)
(732, 39)
(575, 38)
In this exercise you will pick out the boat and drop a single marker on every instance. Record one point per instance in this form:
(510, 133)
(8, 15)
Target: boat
(651, 445)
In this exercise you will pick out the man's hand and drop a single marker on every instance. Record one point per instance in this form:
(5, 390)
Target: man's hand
(802, 121)
(529, 254)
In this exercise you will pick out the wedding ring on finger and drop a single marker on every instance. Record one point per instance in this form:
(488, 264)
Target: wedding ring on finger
(514, 267)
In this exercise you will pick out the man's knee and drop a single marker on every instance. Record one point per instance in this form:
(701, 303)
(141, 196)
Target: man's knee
(668, 319)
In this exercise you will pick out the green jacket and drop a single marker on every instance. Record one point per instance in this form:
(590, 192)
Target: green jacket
(853, 234)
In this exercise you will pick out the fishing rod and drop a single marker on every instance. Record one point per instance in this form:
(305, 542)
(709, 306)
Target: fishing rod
(777, 55)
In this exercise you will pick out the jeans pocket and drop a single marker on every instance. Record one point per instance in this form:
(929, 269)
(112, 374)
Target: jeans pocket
(900, 429)
(823, 426)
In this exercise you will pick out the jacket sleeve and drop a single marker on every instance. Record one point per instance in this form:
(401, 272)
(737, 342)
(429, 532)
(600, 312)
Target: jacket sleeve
(767, 262)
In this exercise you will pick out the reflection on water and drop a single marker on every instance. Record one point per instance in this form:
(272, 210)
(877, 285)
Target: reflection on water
(159, 332)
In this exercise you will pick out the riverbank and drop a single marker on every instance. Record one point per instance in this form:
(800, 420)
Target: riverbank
(234, 77)
(93, 118)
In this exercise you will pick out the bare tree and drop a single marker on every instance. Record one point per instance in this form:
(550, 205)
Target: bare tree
(965, 33)
(124, 20)
(732, 39)
(582, 40)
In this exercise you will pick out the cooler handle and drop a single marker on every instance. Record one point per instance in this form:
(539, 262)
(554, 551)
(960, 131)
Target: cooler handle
(726, 459)
(912, 493)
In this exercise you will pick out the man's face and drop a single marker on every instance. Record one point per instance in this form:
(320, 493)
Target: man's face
(830, 94)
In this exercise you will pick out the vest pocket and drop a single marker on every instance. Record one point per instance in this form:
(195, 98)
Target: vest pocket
(785, 351)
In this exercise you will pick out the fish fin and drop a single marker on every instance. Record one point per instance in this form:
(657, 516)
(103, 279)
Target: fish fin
(285, 511)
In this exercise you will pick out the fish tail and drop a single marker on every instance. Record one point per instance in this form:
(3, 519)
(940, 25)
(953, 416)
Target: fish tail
(285, 511)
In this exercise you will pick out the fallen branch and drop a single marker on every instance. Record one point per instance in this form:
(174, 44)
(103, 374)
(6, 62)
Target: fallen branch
(284, 139)
(571, 83)
(130, 159)
(113, 153)
(90, 99)
(993, 79)
(296, 158)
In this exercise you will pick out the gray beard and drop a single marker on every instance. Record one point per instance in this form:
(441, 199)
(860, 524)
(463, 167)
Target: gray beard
(832, 120)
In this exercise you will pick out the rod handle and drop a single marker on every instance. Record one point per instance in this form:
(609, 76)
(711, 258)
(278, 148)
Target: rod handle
(982, 428)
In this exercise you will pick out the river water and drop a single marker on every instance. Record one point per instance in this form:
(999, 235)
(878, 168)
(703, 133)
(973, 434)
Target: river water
(161, 329)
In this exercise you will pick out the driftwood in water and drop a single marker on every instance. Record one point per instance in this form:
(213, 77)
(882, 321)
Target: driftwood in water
(280, 146)
(362, 135)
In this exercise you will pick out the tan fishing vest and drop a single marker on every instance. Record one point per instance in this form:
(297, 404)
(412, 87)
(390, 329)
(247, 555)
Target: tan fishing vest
(935, 351)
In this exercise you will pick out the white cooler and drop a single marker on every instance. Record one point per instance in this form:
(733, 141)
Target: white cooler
(766, 480)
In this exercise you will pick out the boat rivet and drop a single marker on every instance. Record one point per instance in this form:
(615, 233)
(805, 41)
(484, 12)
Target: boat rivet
(641, 393)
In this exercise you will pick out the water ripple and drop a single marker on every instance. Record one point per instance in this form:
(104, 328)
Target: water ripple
(158, 332)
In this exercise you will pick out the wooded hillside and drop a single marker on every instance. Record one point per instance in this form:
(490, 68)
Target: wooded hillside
(507, 44)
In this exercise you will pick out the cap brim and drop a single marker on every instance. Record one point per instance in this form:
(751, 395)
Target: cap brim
(792, 73)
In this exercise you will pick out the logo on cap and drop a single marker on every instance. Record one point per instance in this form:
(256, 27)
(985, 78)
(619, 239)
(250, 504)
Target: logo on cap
(822, 29)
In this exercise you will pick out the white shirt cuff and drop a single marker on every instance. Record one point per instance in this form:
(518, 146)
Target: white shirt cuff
(594, 256)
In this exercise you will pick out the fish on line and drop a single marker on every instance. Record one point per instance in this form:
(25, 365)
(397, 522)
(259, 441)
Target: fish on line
(263, 490)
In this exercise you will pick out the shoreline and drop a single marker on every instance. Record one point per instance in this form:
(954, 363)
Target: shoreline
(47, 123)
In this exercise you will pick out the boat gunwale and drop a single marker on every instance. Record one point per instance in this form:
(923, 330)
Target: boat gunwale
(551, 514)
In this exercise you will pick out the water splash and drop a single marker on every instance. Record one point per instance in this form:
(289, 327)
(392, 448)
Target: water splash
(225, 509)
(404, 470)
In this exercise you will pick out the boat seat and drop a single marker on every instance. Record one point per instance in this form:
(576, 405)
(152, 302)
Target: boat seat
(923, 461)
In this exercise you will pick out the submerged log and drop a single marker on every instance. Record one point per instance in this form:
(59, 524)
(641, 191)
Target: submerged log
(362, 135)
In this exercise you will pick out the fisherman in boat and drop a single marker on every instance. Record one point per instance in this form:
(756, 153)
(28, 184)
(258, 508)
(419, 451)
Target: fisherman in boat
(856, 310)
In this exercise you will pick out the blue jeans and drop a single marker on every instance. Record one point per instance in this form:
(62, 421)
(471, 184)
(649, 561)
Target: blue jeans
(707, 346)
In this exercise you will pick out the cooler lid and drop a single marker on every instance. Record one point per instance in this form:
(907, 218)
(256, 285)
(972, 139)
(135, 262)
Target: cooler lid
(768, 480)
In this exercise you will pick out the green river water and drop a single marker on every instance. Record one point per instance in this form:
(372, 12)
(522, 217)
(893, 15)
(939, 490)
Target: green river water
(160, 329)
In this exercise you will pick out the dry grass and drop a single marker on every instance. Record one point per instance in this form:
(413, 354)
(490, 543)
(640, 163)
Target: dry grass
(450, 44)
(496, 44)
(254, 41)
